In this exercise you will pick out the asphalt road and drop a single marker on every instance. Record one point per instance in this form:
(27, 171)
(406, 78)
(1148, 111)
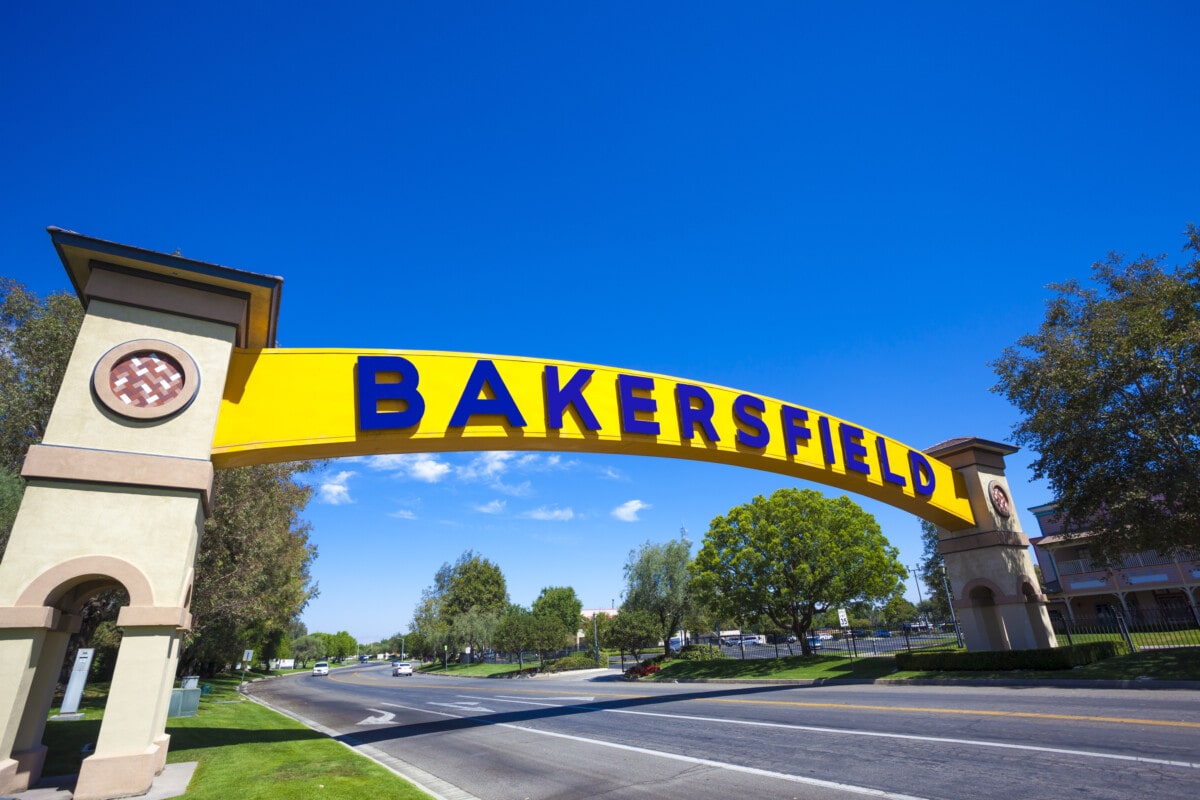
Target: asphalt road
(594, 736)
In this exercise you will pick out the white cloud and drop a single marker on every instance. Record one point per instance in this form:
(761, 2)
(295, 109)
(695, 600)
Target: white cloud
(417, 466)
(403, 513)
(628, 512)
(334, 491)
(494, 507)
(486, 466)
(552, 514)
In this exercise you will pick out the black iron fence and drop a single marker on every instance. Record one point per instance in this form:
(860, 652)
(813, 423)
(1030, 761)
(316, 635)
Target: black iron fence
(1140, 630)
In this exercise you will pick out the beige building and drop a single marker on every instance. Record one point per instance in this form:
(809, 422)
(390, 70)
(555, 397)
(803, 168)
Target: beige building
(1143, 586)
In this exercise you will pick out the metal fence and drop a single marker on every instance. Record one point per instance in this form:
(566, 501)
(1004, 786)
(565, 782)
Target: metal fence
(854, 643)
(1140, 630)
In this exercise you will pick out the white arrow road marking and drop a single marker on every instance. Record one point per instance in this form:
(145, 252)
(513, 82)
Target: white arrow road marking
(473, 707)
(565, 699)
(384, 718)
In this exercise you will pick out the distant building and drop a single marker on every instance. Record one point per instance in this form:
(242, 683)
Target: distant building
(1143, 585)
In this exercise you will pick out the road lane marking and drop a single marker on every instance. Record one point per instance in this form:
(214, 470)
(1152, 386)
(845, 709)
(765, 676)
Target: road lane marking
(704, 762)
(861, 707)
(876, 734)
(966, 711)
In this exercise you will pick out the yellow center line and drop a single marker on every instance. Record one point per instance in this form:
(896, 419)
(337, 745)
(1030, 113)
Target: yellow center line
(600, 697)
(966, 712)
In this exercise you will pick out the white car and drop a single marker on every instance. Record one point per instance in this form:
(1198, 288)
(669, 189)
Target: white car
(321, 668)
(401, 668)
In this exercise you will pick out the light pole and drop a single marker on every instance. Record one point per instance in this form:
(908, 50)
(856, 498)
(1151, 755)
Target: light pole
(596, 635)
(950, 601)
(917, 580)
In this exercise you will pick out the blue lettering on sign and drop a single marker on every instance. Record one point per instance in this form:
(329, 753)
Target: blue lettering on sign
(372, 391)
(632, 404)
(795, 427)
(389, 398)
(559, 399)
(690, 416)
(826, 440)
(884, 466)
(922, 474)
(743, 407)
(485, 375)
(852, 448)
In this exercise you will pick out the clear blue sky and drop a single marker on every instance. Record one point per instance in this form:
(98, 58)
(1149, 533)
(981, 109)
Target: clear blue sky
(848, 206)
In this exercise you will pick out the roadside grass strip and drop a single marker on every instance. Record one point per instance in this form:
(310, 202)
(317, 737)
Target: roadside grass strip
(243, 750)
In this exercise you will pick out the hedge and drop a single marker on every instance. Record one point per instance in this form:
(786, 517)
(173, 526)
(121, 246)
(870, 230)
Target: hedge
(1056, 658)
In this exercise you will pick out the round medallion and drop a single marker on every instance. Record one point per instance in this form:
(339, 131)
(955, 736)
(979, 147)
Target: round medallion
(999, 498)
(146, 379)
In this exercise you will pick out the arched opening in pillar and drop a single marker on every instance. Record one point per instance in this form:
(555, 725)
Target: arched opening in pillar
(84, 611)
(989, 621)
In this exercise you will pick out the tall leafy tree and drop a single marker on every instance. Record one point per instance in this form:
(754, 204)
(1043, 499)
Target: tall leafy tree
(474, 628)
(659, 582)
(471, 582)
(252, 572)
(516, 633)
(634, 630)
(560, 603)
(36, 339)
(793, 556)
(932, 573)
(1109, 387)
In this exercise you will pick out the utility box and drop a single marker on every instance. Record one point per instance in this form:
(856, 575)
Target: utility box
(184, 703)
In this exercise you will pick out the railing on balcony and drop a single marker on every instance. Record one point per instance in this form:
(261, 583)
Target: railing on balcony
(1080, 566)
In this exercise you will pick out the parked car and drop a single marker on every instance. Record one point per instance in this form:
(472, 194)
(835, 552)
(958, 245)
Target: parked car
(825, 637)
(733, 641)
(814, 642)
(882, 634)
(401, 668)
(321, 668)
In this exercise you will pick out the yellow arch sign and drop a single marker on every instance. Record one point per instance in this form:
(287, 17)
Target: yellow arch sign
(284, 404)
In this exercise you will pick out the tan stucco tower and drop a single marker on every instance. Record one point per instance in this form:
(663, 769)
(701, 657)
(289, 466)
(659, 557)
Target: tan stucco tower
(117, 494)
(996, 593)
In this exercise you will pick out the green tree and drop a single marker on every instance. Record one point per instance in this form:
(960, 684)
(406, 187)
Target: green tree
(793, 556)
(633, 630)
(548, 635)
(12, 489)
(932, 568)
(471, 582)
(659, 582)
(36, 339)
(474, 629)
(898, 609)
(343, 645)
(307, 648)
(252, 571)
(1109, 388)
(560, 603)
(515, 633)
(601, 630)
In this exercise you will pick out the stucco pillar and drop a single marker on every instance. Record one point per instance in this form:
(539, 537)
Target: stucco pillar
(117, 494)
(997, 596)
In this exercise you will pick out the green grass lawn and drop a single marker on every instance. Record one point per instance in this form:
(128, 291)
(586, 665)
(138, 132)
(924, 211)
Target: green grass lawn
(243, 750)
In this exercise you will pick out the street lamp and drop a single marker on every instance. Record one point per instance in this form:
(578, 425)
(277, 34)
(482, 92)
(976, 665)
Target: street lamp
(950, 600)
(917, 580)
